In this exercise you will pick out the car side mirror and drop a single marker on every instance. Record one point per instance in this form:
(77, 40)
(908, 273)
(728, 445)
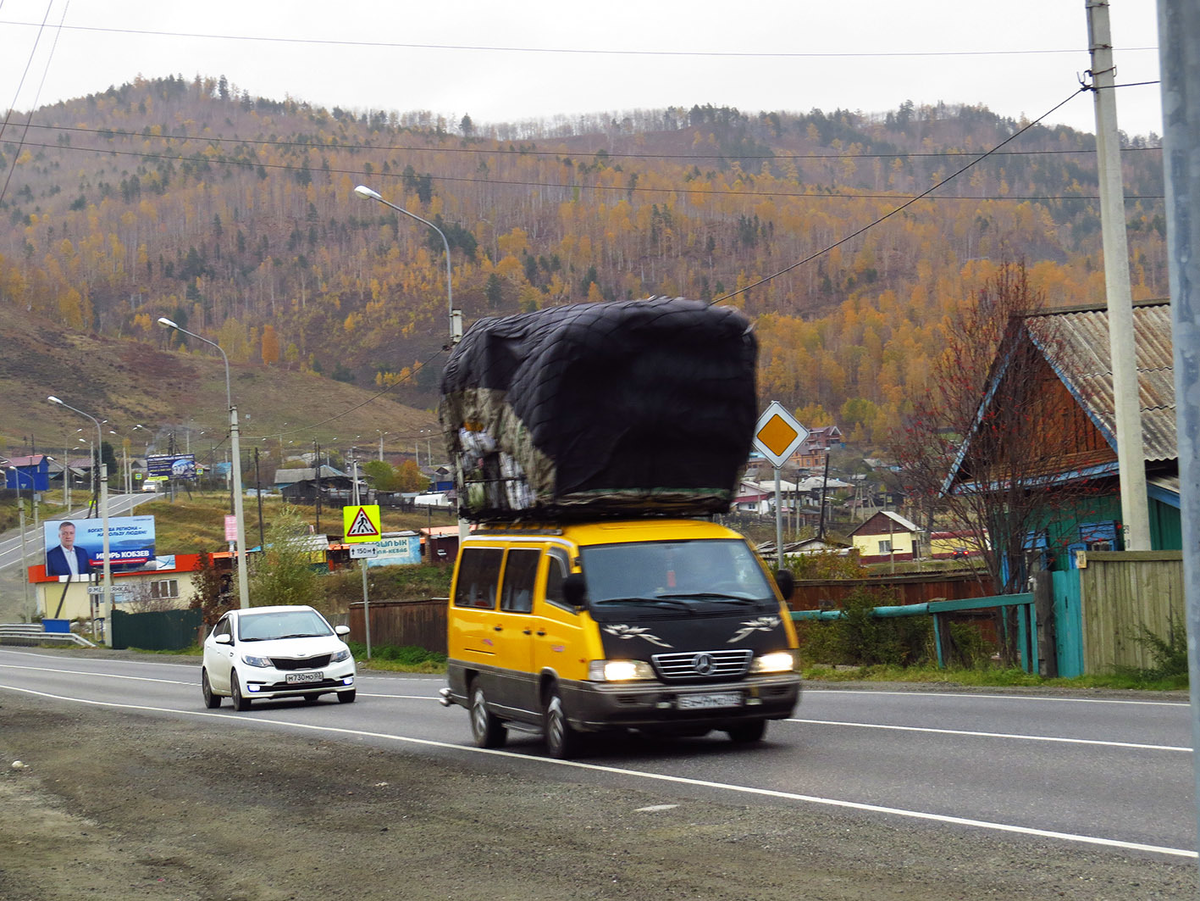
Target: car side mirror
(341, 630)
(574, 589)
(224, 638)
(786, 582)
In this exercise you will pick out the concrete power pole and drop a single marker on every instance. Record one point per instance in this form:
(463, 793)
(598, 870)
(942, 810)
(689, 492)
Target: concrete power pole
(1179, 60)
(1131, 456)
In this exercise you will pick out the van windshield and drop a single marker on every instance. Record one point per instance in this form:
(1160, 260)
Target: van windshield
(682, 575)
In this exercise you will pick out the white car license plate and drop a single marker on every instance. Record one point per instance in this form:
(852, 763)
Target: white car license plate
(294, 678)
(708, 701)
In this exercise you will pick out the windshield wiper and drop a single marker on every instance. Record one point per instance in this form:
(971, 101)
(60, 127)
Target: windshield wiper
(673, 602)
(713, 596)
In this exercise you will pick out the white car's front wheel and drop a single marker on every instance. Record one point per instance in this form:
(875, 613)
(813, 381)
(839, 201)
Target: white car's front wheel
(235, 693)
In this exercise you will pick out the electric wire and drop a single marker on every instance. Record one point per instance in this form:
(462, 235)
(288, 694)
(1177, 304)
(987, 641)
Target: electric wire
(900, 208)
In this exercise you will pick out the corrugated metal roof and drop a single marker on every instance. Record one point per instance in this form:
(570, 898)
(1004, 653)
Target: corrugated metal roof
(1076, 343)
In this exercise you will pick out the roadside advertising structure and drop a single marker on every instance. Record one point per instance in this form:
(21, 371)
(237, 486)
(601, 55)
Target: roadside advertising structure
(75, 546)
(172, 466)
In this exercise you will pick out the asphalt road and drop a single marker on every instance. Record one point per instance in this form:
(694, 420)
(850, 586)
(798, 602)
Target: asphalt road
(1087, 771)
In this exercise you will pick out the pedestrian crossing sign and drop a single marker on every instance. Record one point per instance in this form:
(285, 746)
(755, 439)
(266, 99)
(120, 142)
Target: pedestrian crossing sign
(361, 523)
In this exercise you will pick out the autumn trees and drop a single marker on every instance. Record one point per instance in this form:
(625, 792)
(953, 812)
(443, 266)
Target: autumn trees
(175, 197)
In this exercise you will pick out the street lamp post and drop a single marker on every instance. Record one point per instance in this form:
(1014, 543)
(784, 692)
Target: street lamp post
(381, 434)
(21, 525)
(108, 592)
(455, 315)
(238, 512)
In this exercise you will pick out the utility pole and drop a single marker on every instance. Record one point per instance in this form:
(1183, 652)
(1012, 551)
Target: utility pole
(1179, 62)
(1131, 456)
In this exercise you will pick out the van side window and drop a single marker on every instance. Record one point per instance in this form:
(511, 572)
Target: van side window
(478, 573)
(520, 573)
(556, 570)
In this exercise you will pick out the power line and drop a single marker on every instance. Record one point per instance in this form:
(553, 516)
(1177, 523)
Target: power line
(900, 208)
(518, 152)
(579, 51)
(569, 186)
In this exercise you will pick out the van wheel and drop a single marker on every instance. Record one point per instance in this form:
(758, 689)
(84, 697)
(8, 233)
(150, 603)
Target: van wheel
(745, 733)
(562, 741)
(486, 728)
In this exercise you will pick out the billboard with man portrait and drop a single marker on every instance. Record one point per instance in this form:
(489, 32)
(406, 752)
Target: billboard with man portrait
(75, 547)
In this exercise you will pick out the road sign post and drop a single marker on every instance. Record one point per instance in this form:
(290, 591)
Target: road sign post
(363, 530)
(777, 436)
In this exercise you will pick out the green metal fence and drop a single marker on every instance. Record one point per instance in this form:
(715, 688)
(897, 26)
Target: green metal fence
(1026, 620)
(165, 630)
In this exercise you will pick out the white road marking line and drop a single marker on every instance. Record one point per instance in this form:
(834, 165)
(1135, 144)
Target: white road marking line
(72, 672)
(1049, 738)
(869, 692)
(656, 777)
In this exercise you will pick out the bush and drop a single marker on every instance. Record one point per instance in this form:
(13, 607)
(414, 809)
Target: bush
(862, 639)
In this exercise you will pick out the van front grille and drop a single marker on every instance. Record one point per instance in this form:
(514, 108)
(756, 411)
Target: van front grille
(722, 664)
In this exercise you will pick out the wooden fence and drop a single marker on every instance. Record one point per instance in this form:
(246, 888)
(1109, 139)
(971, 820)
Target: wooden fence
(1122, 592)
(419, 624)
(911, 588)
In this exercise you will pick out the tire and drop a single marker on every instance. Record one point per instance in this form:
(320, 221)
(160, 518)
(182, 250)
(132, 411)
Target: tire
(486, 728)
(211, 701)
(346, 697)
(748, 732)
(562, 741)
(235, 693)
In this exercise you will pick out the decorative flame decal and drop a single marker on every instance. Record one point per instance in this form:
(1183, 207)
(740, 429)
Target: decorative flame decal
(621, 630)
(762, 624)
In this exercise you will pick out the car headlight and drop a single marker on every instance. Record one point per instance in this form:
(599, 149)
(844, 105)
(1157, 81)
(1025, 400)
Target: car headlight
(251, 660)
(775, 662)
(339, 656)
(619, 670)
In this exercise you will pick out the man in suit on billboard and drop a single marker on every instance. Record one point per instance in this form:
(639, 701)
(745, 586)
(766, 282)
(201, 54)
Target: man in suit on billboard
(66, 559)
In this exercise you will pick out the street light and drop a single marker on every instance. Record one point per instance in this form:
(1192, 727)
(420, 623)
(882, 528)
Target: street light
(238, 512)
(21, 524)
(108, 592)
(455, 315)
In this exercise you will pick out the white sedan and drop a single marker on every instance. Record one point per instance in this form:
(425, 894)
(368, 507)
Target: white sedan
(275, 652)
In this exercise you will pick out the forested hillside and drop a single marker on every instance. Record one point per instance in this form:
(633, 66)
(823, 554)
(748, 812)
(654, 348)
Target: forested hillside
(236, 216)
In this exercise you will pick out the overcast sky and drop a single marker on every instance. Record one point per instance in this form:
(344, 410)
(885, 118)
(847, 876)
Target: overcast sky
(534, 59)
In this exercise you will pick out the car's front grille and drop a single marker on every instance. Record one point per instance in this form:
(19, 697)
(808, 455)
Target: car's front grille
(722, 664)
(292, 663)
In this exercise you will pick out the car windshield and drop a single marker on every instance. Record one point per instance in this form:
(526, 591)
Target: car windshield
(683, 575)
(285, 624)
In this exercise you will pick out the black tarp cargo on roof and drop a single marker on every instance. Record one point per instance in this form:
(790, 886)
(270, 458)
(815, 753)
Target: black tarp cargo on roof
(631, 408)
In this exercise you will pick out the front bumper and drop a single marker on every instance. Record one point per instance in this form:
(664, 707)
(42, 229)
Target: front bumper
(593, 706)
(267, 682)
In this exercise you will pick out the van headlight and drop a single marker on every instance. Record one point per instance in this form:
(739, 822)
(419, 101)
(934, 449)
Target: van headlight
(619, 670)
(775, 662)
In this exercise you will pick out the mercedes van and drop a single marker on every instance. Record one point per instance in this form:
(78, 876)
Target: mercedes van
(658, 625)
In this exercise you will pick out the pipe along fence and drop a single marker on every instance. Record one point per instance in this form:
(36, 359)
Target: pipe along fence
(1026, 620)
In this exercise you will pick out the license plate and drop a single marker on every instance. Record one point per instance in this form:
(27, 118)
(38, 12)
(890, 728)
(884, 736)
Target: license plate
(708, 701)
(294, 678)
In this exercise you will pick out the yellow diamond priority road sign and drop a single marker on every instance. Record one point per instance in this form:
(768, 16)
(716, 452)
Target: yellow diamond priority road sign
(361, 523)
(777, 434)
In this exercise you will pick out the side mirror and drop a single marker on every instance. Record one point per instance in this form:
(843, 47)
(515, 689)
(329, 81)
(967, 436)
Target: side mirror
(224, 638)
(574, 589)
(786, 582)
(341, 631)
